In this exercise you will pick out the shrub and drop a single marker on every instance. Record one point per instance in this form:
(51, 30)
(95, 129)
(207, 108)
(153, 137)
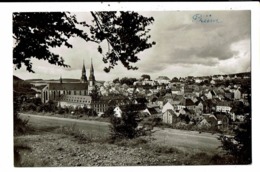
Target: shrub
(108, 113)
(61, 111)
(28, 107)
(20, 125)
(165, 150)
(78, 134)
(127, 125)
(239, 146)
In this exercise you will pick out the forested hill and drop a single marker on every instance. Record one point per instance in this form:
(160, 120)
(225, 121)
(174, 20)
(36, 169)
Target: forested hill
(21, 86)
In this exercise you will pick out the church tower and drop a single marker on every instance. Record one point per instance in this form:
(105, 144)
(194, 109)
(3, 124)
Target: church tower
(83, 75)
(91, 78)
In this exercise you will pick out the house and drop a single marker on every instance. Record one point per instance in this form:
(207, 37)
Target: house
(162, 80)
(204, 124)
(176, 91)
(146, 111)
(187, 103)
(154, 110)
(118, 112)
(237, 94)
(167, 106)
(169, 117)
(176, 99)
(130, 91)
(208, 106)
(197, 93)
(180, 112)
(211, 94)
(223, 121)
(220, 77)
(198, 80)
(148, 82)
(228, 94)
(188, 92)
(212, 82)
(140, 90)
(160, 102)
(211, 119)
(223, 106)
(100, 106)
(199, 106)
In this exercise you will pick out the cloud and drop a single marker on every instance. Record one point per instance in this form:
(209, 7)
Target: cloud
(195, 43)
(183, 47)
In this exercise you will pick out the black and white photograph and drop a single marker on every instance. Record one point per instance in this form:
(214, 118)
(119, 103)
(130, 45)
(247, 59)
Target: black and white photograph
(120, 88)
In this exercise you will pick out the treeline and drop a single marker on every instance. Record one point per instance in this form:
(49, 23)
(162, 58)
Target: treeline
(125, 80)
(52, 107)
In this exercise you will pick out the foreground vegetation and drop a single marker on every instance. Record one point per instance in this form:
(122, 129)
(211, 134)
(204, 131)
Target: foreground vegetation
(126, 135)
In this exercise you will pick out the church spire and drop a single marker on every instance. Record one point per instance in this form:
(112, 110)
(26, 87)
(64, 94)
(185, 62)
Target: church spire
(91, 74)
(83, 75)
(91, 84)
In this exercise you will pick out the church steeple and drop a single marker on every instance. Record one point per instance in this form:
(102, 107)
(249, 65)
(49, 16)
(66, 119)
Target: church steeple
(91, 78)
(91, 74)
(83, 75)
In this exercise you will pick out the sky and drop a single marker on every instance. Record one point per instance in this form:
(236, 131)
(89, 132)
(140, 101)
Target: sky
(185, 46)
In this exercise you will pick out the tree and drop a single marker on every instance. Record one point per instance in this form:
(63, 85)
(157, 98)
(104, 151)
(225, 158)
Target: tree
(128, 81)
(109, 112)
(145, 76)
(95, 95)
(34, 33)
(20, 125)
(240, 147)
(125, 127)
(116, 80)
(175, 79)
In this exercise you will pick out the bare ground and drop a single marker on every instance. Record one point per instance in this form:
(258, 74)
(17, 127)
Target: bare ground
(54, 145)
(63, 148)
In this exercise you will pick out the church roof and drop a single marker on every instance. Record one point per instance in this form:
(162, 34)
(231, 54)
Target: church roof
(76, 99)
(68, 86)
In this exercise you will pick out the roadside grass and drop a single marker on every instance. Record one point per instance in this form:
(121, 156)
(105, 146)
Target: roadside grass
(69, 115)
(76, 133)
(81, 136)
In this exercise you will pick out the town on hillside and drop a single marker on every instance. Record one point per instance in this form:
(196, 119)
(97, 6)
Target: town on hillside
(211, 103)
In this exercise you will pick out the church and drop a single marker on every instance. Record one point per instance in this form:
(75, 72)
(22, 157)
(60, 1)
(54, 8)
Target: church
(71, 93)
